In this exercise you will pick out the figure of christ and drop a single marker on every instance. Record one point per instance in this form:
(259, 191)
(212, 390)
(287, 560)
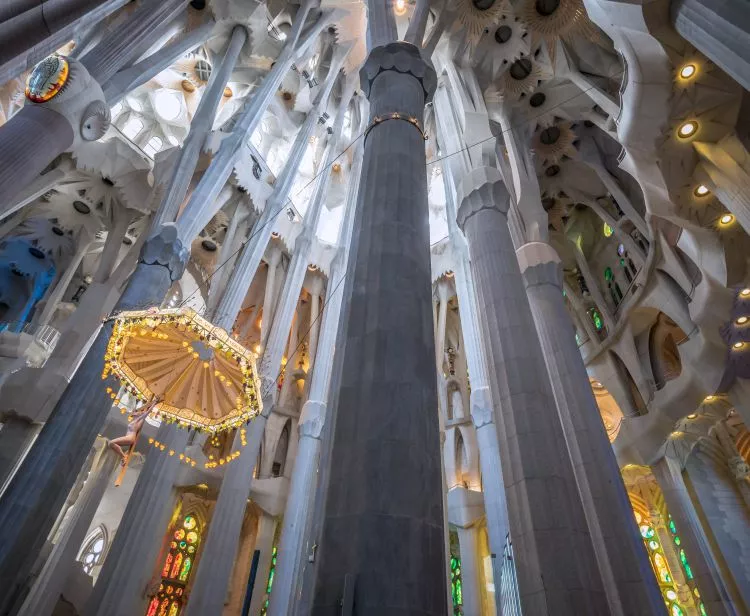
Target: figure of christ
(134, 427)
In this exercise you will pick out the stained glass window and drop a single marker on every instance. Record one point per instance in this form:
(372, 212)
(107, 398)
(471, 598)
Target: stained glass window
(175, 573)
(596, 319)
(608, 231)
(456, 587)
(91, 555)
(269, 586)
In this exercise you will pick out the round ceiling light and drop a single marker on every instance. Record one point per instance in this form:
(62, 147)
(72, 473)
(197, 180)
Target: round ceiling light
(546, 7)
(538, 99)
(399, 7)
(209, 245)
(701, 190)
(727, 219)
(81, 207)
(520, 69)
(688, 71)
(168, 105)
(688, 129)
(742, 320)
(745, 293)
(738, 345)
(188, 85)
(503, 34)
(228, 92)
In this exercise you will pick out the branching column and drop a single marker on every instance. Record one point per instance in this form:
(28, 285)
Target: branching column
(385, 488)
(39, 488)
(624, 565)
(544, 507)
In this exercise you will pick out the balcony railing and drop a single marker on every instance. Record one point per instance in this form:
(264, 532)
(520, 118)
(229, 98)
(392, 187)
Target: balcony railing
(45, 336)
(510, 600)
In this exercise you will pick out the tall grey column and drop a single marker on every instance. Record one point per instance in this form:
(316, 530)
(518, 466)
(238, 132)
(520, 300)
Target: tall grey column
(39, 488)
(385, 487)
(312, 419)
(16, 435)
(623, 562)
(129, 562)
(45, 593)
(720, 30)
(706, 570)
(544, 508)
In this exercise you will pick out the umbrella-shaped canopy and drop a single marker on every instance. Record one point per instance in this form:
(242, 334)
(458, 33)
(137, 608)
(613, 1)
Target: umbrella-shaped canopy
(204, 378)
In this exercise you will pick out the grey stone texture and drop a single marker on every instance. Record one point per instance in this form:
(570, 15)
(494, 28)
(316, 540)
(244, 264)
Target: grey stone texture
(720, 29)
(16, 435)
(623, 560)
(383, 525)
(38, 490)
(555, 562)
(724, 512)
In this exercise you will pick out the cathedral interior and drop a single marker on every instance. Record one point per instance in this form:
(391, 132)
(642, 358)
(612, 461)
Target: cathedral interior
(375, 308)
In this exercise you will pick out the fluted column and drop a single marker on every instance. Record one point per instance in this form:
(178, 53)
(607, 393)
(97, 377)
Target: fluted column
(385, 486)
(228, 253)
(274, 258)
(316, 294)
(38, 490)
(129, 562)
(544, 507)
(200, 126)
(46, 590)
(706, 570)
(623, 562)
(720, 30)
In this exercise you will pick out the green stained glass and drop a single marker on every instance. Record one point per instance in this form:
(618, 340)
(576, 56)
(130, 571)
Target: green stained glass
(608, 274)
(677, 540)
(456, 585)
(672, 527)
(185, 569)
(596, 318)
(269, 586)
(702, 609)
(677, 610)
(686, 565)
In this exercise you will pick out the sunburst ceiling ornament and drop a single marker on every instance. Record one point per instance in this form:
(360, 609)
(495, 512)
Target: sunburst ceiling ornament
(522, 77)
(205, 379)
(554, 142)
(551, 19)
(477, 15)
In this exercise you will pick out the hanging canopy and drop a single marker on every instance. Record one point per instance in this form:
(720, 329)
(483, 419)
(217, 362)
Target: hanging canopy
(204, 378)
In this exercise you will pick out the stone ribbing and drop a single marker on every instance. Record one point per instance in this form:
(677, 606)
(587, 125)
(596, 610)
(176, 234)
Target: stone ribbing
(383, 526)
(38, 490)
(623, 560)
(544, 508)
(129, 562)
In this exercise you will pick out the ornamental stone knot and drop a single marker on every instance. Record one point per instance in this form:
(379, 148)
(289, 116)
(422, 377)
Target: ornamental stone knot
(403, 58)
(166, 248)
(738, 467)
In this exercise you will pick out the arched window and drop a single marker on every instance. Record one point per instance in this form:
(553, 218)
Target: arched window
(93, 549)
(132, 127)
(178, 565)
(153, 146)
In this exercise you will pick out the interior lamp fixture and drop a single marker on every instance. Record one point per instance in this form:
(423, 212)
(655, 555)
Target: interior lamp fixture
(738, 345)
(399, 7)
(688, 129)
(701, 190)
(745, 293)
(708, 398)
(742, 320)
(692, 415)
(726, 219)
(688, 71)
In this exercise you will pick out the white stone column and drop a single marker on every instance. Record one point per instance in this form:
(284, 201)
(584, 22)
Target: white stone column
(274, 258)
(287, 582)
(228, 253)
(199, 129)
(16, 436)
(112, 246)
(264, 544)
(48, 586)
(470, 570)
(706, 571)
(594, 289)
(443, 290)
(54, 298)
(316, 293)
(129, 562)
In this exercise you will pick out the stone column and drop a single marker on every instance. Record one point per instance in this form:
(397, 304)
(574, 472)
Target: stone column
(720, 30)
(316, 295)
(738, 467)
(228, 253)
(442, 289)
(54, 298)
(112, 246)
(312, 419)
(471, 576)
(46, 590)
(623, 562)
(38, 490)
(200, 126)
(274, 258)
(594, 289)
(16, 436)
(264, 544)
(544, 507)
(385, 487)
(129, 562)
(706, 571)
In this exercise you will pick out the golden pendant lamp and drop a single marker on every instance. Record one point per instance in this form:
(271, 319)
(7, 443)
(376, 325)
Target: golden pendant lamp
(205, 379)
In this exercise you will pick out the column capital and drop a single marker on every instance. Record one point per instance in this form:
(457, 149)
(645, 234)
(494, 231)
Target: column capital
(312, 418)
(481, 407)
(400, 57)
(166, 248)
(482, 188)
(79, 97)
(539, 264)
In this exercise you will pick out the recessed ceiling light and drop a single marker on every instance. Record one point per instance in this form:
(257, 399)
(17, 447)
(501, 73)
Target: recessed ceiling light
(709, 398)
(745, 293)
(688, 129)
(701, 190)
(727, 219)
(688, 71)
(399, 7)
(742, 320)
(738, 345)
